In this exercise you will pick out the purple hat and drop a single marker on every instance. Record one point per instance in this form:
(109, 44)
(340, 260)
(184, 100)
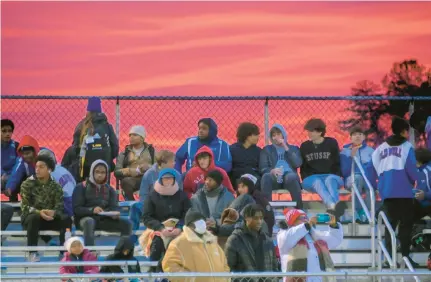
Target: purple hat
(94, 105)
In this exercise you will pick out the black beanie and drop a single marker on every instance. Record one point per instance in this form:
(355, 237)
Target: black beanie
(47, 160)
(399, 125)
(192, 216)
(216, 175)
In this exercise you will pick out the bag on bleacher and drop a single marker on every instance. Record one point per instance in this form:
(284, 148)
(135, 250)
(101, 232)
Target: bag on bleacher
(420, 241)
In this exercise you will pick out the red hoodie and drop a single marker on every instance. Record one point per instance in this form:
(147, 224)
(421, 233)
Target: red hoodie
(196, 175)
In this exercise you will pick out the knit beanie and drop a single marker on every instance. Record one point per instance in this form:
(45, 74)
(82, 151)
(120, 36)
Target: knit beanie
(292, 215)
(216, 176)
(192, 216)
(47, 160)
(71, 240)
(249, 181)
(94, 105)
(138, 130)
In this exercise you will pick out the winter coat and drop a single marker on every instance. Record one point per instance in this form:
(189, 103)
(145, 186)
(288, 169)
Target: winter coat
(191, 253)
(196, 175)
(220, 148)
(9, 156)
(85, 256)
(125, 243)
(244, 160)
(150, 177)
(128, 159)
(199, 203)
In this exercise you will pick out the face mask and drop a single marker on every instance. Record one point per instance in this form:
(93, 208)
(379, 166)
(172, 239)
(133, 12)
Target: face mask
(200, 226)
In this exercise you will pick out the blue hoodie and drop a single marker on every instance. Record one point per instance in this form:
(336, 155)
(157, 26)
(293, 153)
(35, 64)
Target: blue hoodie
(9, 156)
(364, 155)
(269, 156)
(424, 183)
(395, 164)
(63, 177)
(428, 132)
(219, 147)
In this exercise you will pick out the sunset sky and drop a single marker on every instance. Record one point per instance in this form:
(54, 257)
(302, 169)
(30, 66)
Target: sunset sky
(218, 48)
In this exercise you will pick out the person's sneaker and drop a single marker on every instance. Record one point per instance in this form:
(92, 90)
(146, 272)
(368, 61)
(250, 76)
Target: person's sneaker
(413, 263)
(386, 264)
(339, 209)
(34, 257)
(361, 217)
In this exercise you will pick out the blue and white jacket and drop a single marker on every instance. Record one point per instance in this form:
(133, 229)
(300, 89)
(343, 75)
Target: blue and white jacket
(424, 183)
(364, 154)
(8, 156)
(219, 147)
(428, 132)
(395, 164)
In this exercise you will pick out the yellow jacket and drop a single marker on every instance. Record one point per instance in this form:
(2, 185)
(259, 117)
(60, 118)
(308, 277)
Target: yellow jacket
(191, 253)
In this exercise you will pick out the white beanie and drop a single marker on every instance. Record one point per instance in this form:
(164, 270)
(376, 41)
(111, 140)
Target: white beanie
(250, 177)
(70, 241)
(138, 130)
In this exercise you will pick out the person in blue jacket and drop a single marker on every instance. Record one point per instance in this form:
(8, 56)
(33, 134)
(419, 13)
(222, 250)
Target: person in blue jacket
(423, 192)
(8, 150)
(207, 136)
(358, 148)
(395, 164)
(428, 132)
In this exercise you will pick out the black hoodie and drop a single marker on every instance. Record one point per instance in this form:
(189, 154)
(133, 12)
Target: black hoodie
(125, 243)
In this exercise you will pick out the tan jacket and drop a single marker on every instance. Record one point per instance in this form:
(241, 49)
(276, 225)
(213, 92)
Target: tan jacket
(189, 253)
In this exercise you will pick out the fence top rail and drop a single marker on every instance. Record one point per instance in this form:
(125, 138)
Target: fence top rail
(225, 274)
(191, 98)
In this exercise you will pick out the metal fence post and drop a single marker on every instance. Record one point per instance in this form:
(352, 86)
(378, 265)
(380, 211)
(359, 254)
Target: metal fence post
(117, 131)
(266, 121)
(412, 131)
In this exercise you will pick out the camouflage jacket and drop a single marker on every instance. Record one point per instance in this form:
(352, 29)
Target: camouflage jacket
(36, 196)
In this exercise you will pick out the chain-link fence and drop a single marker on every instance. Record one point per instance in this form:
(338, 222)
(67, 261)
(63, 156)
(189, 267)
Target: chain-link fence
(170, 120)
(230, 277)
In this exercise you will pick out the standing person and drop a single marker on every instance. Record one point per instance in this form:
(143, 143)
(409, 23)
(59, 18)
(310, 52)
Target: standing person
(423, 195)
(70, 161)
(195, 177)
(395, 163)
(24, 166)
(9, 154)
(306, 249)
(249, 249)
(42, 204)
(279, 163)
(320, 170)
(195, 250)
(92, 199)
(94, 139)
(63, 177)
(212, 199)
(76, 251)
(358, 148)
(247, 186)
(245, 153)
(207, 135)
(124, 251)
(136, 159)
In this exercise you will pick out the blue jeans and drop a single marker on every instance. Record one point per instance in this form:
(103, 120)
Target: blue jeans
(326, 185)
(362, 186)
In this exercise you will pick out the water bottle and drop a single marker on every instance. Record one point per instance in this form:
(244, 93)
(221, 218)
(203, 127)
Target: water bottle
(323, 218)
(67, 235)
(280, 176)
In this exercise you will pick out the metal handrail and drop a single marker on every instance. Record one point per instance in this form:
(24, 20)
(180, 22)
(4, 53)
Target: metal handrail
(410, 267)
(392, 260)
(54, 248)
(370, 216)
(75, 263)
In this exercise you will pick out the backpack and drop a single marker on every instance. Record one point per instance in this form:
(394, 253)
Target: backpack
(95, 147)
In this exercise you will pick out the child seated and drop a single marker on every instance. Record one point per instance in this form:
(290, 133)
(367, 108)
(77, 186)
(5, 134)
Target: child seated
(147, 237)
(76, 252)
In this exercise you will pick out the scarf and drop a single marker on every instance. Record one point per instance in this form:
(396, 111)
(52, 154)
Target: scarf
(214, 192)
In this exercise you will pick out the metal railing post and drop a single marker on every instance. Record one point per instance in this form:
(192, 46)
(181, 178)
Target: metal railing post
(266, 121)
(391, 258)
(411, 130)
(352, 176)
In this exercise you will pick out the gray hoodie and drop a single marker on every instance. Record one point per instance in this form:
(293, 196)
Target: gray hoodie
(148, 180)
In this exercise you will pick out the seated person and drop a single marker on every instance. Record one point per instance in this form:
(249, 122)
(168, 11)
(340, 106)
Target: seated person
(136, 159)
(246, 185)
(24, 166)
(212, 199)
(6, 215)
(207, 136)
(195, 177)
(166, 201)
(76, 251)
(304, 248)
(8, 150)
(195, 250)
(63, 177)
(91, 199)
(42, 204)
(358, 148)
(245, 153)
(249, 236)
(279, 163)
(124, 251)
(423, 192)
(320, 170)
